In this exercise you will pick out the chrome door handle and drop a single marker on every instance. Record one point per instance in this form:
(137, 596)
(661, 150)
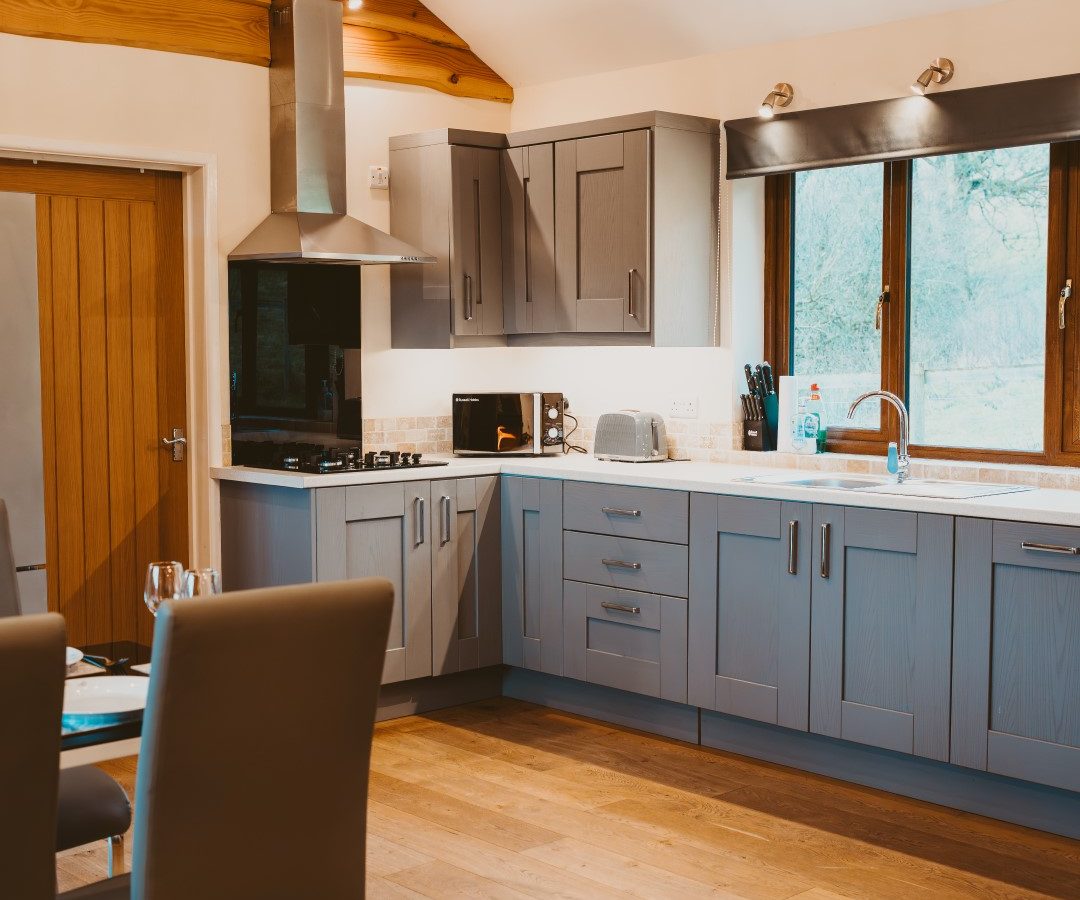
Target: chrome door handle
(630, 294)
(468, 299)
(419, 509)
(1049, 548)
(826, 534)
(792, 547)
(177, 442)
(621, 564)
(445, 501)
(618, 607)
(615, 511)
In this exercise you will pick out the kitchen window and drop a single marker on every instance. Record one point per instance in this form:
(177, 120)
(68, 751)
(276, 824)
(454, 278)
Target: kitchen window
(939, 279)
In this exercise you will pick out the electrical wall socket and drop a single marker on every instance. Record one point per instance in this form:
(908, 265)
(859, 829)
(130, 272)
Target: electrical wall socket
(683, 408)
(379, 177)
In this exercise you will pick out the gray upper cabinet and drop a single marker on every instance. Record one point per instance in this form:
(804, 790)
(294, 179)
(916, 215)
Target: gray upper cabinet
(466, 609)
(529, 239)
(881, 629)
(1016, 671)
(446, 198)
(602, 231)
(532, 595)
(749, 636)
(383, 530)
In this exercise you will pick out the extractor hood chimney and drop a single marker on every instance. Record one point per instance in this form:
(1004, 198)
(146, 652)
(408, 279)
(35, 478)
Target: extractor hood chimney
(308, 223)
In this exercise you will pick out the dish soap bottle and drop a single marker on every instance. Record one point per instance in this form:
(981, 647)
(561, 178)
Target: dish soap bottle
(815, 407)
(803, 430)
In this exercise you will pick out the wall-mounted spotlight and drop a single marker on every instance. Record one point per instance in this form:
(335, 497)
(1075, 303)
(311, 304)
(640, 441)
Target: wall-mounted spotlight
(781, 95)
(938, 72)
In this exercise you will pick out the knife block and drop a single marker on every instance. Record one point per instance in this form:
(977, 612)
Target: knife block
(756, 435)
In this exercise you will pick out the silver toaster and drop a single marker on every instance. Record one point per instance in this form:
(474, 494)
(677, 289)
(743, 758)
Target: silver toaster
(630, 435)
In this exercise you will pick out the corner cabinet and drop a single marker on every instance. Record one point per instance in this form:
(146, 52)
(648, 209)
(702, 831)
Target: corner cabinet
(532, 586)
(446, 199)
(1016, 669)
(881, 628)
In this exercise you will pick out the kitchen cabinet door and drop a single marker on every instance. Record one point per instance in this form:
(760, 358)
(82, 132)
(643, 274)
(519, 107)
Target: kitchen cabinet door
(602, 233)
(384, 530)
(476, 241)
(1016, 667)
(466, 582)
(532, 573)
(881, 629)
(749, 629)
(529, 239)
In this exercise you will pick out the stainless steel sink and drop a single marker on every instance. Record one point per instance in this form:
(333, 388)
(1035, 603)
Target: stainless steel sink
(832, 482)
(913, 487)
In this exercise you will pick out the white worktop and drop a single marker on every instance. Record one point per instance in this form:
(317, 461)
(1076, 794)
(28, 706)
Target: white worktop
(1058, 507)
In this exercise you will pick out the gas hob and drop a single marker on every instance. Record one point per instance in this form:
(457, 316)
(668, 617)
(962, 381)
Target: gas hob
(316, 459)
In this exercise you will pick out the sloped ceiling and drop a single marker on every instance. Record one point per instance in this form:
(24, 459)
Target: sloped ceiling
(536, 41)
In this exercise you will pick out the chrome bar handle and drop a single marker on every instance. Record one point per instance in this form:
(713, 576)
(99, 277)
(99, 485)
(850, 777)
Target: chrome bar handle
(1049, 548)
(615, 511)
(621, 564)
(419, 510)
(446, 537)
(35, 567)
(618, 607)
(468, 299)
(630, 294)
(826, 534)
(792, 547)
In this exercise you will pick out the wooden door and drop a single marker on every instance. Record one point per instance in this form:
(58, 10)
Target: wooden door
(111, 300)
(1016, 671)
(466, 605)
(529, 239)
(881, 628)
(749, 652)
(476, 241)
(602, 232)
(383, 531)
(532, 513)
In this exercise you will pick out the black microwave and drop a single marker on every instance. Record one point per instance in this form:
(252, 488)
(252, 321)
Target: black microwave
(490, 424)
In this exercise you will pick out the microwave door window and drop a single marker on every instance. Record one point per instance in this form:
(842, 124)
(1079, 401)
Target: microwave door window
(510, 429)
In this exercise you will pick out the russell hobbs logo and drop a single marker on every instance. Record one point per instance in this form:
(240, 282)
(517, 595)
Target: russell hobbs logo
(466, 399)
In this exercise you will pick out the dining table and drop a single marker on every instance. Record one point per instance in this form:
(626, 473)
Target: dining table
(130, 654)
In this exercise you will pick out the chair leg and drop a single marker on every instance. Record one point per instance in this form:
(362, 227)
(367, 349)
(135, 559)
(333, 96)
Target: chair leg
(117, 865)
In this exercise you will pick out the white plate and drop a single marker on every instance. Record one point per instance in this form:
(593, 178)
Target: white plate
(74, 654)
(104, 700)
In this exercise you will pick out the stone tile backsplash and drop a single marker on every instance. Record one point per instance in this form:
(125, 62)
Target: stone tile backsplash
(409, 434)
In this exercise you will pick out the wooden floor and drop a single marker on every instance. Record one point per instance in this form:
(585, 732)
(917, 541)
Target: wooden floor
(505, 799)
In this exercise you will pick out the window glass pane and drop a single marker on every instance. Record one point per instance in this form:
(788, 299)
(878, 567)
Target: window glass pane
(978, 298)
(836, 279)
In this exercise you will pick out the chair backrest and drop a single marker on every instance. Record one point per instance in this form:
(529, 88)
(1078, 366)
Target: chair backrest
(10, 604)
(31, 697)
(252, 779)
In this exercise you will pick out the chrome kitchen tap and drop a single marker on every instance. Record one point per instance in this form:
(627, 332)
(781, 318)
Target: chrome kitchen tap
(903, 458)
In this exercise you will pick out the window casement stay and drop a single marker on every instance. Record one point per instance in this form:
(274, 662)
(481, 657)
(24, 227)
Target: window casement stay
(1063, 299)
(882, 299)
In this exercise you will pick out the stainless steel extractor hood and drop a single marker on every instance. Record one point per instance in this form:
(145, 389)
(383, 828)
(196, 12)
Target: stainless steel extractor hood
(307, 150)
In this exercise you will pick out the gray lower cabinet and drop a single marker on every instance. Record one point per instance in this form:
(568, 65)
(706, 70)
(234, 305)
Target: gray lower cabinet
(383, 530)
(626, 640)
(466, 613)
(602, 233)
(1016, 670)
(749, 645)
(881, 628)
(532, 587)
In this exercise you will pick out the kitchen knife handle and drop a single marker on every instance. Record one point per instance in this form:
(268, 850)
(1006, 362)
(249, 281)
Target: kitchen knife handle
(793, 547)
(630, 294)
(826, 541)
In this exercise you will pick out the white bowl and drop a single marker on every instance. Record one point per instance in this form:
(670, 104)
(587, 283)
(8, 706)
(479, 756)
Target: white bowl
(104, 700)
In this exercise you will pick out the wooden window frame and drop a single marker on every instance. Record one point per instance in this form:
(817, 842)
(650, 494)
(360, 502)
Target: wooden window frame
(1061, 419)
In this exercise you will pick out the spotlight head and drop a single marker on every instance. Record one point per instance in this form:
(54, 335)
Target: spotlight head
(780, 96)
(940, 71)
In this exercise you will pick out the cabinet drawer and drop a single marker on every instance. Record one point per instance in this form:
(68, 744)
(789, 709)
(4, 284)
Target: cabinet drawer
(634, 512)
(627, 640)
(626, 563)
(1037, 546)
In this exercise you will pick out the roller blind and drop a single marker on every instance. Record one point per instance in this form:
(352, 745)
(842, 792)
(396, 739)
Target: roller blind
(949, 121)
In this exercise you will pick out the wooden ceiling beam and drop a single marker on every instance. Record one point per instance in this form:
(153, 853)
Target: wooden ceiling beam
(405, 17)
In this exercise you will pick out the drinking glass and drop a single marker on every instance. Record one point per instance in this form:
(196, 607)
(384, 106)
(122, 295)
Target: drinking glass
(202, 582)
(164, 581)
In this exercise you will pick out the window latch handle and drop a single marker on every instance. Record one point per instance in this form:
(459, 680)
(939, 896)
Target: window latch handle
(1063, 298)
(882, 299)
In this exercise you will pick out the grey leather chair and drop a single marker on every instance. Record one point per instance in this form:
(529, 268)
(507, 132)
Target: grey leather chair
(252, 782)
(31, 696)
(92, 806)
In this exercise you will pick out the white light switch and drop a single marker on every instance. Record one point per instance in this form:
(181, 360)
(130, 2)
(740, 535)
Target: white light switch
(379, 178)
